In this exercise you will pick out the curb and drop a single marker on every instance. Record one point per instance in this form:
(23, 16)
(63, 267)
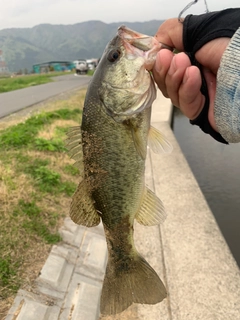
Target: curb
(69, 285)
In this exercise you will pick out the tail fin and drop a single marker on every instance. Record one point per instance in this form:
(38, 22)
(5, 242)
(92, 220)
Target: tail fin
(138, 284)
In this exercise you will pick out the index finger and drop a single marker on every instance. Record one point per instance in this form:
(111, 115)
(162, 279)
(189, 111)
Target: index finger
(170, 33)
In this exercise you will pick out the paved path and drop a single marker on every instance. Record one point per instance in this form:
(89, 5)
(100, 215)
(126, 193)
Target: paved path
(16, 100)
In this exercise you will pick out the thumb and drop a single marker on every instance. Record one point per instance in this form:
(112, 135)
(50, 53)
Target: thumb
(170, 33)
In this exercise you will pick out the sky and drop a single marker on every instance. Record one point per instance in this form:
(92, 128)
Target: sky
(28, 13)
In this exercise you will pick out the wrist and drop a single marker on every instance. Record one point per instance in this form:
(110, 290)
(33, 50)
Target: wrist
(211, 53)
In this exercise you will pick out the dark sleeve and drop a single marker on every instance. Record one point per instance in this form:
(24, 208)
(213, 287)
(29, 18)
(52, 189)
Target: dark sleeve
(202, 119)
(197, 31)
(200, 29)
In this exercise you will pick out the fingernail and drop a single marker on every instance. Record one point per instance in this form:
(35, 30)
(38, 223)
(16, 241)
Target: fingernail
(158, 63)
(172, 68)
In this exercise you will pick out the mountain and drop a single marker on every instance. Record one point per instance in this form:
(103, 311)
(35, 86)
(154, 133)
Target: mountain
(23, 47)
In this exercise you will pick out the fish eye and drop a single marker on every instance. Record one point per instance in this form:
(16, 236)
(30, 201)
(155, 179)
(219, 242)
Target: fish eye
(114, 55)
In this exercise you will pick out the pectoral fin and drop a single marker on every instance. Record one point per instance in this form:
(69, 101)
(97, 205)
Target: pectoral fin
(74, 145)
(139, 142)
(157, 142)
(82, 210)
(152, 211)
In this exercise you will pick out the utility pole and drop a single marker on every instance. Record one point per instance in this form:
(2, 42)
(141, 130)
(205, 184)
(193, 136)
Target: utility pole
(3, 66)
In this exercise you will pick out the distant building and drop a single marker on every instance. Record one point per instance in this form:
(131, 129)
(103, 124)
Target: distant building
(53, 66)
(3, 66)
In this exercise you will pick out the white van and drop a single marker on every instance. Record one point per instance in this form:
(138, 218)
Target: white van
(81, 66)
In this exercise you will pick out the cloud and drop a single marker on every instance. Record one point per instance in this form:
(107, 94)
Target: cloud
(28, 13)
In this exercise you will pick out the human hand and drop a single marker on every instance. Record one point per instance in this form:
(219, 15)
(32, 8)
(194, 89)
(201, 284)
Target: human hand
(178, 79)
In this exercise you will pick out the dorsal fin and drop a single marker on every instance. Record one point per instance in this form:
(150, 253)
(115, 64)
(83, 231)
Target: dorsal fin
(74, 145)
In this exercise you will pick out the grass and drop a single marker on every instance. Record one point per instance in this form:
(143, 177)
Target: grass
(25, 134)
(34, 223)
(20, 82)
(12, 84)
(37, 180)
(47, 180)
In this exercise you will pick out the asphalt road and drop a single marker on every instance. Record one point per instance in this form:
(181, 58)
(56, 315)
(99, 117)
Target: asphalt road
(13, 101)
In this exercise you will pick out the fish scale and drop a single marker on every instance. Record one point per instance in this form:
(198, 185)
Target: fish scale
(116, 155)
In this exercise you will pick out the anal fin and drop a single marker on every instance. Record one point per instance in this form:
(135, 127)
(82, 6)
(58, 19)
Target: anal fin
(152, 211)
(82, 210)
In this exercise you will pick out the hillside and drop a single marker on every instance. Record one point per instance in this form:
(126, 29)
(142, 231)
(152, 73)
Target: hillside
(23, 47)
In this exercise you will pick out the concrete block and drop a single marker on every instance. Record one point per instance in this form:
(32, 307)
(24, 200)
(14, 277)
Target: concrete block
(69, 253)
(70, 225)
(55, 276)
(72, 233)
(28, 306)
(82, 300)
(93, 257)
(98, 229)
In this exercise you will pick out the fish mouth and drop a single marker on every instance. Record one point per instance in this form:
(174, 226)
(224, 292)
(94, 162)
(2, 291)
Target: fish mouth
(135, 45)
(140, 44)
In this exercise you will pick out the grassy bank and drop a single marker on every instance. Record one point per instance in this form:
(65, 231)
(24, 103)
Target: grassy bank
(20, 82)
(37, 180)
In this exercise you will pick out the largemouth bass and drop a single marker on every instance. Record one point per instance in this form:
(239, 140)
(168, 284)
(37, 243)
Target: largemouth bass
(115, 131)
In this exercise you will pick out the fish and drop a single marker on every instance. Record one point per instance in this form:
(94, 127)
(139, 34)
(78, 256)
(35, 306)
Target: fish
(112, 142)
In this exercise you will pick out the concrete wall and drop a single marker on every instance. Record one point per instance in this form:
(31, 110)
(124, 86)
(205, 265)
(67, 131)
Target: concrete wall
(188, 250)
